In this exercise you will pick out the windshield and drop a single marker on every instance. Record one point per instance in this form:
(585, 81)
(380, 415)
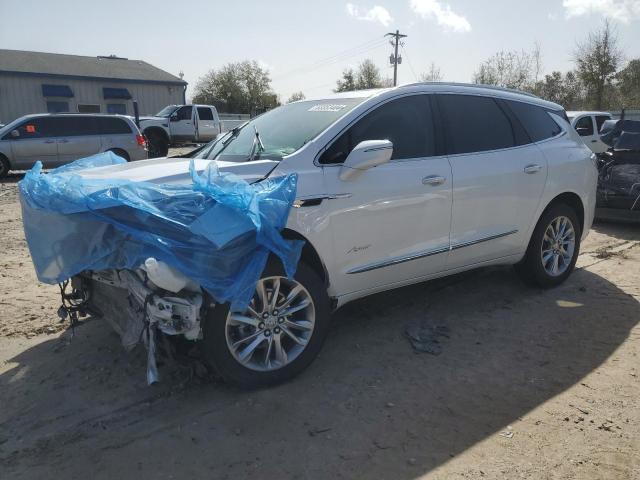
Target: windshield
(280, 131)
(167, 111)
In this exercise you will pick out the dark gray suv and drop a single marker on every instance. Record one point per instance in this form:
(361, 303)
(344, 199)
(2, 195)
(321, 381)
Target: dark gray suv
(62, 138)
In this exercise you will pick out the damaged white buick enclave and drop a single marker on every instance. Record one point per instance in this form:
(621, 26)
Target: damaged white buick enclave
(391, 187)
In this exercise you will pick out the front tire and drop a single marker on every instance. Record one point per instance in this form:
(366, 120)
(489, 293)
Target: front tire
(553, 249)
(277, 337)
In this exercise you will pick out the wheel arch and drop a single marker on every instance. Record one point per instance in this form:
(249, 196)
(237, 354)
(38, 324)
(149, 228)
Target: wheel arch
(572, 200)
(156, 129)
(309, 255)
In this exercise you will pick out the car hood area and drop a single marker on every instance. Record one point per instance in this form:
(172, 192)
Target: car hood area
(176, 170)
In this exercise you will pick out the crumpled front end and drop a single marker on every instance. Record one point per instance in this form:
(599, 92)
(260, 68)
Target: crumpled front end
(210, 237)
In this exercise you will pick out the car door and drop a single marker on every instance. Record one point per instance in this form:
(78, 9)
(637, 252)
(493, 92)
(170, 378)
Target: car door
(35, 141)
(78, 136)
(600, 146)
(181, 124)
(498, 179)
(586, 128)
(390, 223)
(206, 126)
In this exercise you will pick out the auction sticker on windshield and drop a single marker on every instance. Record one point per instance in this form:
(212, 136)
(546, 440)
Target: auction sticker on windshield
(327, 108)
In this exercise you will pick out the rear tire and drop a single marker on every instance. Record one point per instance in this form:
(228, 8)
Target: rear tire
(266, 364)
(121, 153)
(4, 166)
(157, 144)
(553, 249)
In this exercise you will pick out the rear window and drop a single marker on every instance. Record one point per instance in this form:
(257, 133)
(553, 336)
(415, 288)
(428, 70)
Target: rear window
(205, 113)
(111, 126)
(475, 124)
(536, 120)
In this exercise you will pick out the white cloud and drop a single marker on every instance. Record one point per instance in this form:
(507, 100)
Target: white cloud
(621, 10)
(375, 14)
(442, 13)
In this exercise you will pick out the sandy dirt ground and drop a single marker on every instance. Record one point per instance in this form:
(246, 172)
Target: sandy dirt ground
(530, 384)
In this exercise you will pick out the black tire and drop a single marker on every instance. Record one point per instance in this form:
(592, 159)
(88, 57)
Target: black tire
(121, 153)
(531, 269)
(4, 166)
(216, 351)
(157, 144)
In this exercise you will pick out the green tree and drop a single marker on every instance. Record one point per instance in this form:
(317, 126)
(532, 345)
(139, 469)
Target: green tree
(629, 84)
(565, 90)
(597, 59)
(366, 76)
(296, 96)
(242, 87)
(348, 81)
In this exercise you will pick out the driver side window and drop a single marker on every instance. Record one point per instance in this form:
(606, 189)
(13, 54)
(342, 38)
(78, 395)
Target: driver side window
(406, 122)
(184, 113)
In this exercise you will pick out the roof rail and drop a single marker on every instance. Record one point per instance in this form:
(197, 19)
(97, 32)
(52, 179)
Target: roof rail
(473, 85)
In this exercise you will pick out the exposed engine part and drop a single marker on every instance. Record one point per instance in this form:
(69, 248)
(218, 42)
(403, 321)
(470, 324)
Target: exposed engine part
(142, 309)
(74, 303)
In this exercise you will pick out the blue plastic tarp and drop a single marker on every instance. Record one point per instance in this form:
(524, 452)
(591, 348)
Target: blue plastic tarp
(217, 230)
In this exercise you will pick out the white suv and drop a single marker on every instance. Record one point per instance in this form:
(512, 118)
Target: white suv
(395, 186)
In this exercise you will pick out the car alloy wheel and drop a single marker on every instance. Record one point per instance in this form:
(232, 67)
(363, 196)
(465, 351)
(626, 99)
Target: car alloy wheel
(558, 246)
(276, 327)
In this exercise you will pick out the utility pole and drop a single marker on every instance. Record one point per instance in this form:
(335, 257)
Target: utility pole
(395, 59)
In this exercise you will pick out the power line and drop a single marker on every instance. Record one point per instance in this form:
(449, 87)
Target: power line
(336, 58)
(404, 50)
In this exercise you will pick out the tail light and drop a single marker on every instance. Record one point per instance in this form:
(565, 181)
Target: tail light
(141, 141)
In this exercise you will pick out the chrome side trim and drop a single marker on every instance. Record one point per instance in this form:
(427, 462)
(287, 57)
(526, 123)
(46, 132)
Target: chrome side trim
(481, 240)
(427, 253)
(397, 260)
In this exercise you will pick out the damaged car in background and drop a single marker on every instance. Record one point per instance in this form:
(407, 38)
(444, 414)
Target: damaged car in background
(618, 195)
(248, 246)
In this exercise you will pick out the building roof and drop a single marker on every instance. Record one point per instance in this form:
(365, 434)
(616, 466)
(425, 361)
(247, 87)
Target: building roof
(101, 67)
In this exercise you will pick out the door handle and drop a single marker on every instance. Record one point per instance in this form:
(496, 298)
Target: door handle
(532, 168)
(64, 140)
(594, 141)
(49, 141)
(433, 180)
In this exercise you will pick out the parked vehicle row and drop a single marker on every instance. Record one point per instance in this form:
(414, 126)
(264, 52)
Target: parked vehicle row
(395, 186)
(62, 138)
(618, 196)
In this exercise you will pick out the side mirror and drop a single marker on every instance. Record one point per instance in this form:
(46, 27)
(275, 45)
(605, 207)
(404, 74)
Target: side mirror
(366, 155)
(15, 133)
(173, 118)
(583, 132)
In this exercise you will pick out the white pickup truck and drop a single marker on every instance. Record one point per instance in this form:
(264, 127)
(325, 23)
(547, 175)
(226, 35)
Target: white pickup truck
(177, 124)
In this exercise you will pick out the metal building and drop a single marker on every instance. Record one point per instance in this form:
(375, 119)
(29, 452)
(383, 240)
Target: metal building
(36, 82)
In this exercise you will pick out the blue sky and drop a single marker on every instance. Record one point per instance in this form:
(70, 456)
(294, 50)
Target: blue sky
(292, 37)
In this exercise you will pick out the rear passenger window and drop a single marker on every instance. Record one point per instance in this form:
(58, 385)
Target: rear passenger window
(600, 119)
(72, 126)
(536, 120)
(205, 113)
(406, 122)
(475, 124)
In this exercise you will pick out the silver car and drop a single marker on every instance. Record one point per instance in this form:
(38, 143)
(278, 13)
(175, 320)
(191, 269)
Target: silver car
(62, 138)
